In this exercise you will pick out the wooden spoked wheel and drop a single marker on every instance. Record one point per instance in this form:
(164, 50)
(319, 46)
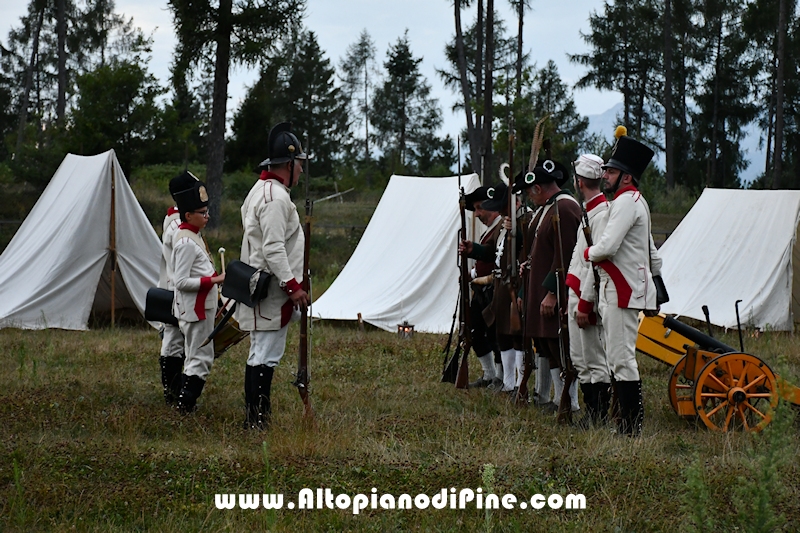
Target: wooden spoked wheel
(736, 390)
(681, 391)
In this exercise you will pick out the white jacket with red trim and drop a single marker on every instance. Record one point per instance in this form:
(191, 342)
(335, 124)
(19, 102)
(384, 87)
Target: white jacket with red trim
(192, 272)
(580, 276)
(273, 241)
(625, 251)
(170, 227)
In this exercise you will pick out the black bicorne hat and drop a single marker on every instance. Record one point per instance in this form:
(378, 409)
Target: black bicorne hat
(188, 192)
(478, 195)
(282, 146)
(547, 171)
(496, 198)
(630, 156)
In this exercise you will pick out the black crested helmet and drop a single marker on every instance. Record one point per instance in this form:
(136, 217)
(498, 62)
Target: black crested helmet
(282, 146)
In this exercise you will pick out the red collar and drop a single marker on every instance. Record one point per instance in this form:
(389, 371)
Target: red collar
(172, 211)
(623, 190)
(267, 175)
(594, 202)
(190, 227)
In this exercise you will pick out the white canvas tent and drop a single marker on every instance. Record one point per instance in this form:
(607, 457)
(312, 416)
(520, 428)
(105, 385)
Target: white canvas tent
(404, 267)
(57, 269)
(736, 245)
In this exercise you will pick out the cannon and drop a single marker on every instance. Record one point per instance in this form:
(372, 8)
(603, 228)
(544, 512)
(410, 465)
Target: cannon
(721, 386)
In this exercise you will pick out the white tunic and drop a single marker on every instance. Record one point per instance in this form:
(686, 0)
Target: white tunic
(625, 251)
(273, 240)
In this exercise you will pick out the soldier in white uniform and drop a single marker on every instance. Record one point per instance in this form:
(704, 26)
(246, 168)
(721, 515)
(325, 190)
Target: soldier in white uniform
(273, 241)
(195, 287)
(172, 341)
(628, 260)
(586, 343)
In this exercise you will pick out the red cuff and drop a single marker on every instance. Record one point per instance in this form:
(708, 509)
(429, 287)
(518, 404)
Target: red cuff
(586, 254)
(585, 307)
(292, 287)
(205, 284)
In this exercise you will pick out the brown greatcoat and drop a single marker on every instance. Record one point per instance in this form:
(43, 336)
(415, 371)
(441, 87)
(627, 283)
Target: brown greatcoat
(544, 262)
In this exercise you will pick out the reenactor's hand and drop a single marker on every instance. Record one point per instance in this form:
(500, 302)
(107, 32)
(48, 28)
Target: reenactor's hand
(582, 319)
(523, 267)
(548, 305)
(519, 305)
(300, 299)
(507, 223)
(218, 279)
(465, 247)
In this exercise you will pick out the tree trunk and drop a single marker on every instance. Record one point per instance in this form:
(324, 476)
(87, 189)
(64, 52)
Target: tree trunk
(670, 163)
(520, 17)
(479, 111)
(778, 157)
(216, 135)
(366, 113)
(712, 160)
(771, 116)
(61, 23)
(488, 89)
(472, 138)
(25, 100)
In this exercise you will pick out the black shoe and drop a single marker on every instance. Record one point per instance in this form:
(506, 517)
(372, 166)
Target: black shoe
(171, 368)
(480, 383)
(631, 408)
(258, 386)
(190, 392)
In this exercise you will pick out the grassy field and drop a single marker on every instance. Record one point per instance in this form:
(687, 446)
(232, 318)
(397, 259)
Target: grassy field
(88, 445)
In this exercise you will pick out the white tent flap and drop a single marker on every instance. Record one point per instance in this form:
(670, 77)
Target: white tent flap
(735, 245)
(50, 271)
(404, 267)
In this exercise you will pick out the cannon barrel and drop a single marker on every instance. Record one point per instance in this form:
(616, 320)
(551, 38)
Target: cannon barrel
(704, 341)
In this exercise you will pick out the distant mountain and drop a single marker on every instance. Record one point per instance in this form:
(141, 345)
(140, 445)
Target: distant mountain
(605, 123)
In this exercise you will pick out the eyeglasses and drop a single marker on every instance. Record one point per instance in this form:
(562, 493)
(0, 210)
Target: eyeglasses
(204, 213)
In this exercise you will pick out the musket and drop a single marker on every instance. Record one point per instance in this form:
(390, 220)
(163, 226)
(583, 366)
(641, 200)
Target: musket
(567, 369)
(302, 378)
(464, 332)
(511, 275)
(528, 361)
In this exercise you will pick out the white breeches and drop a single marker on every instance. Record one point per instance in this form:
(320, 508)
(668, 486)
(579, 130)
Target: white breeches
(621, 328)
(198, 360)
(586, 347)
(172, 343)
(267, 347)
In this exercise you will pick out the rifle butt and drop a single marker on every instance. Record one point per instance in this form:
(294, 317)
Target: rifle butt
(565, 406)
(462, 380)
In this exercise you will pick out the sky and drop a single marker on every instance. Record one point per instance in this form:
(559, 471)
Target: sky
(551, 31)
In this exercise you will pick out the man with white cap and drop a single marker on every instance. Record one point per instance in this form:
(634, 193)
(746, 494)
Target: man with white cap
(586, 343)
(628, 261)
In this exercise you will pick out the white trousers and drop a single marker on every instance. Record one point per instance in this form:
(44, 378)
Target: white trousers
(172, 343)
(198, 360)
(267, 347)
(586, 347)
(621, 328)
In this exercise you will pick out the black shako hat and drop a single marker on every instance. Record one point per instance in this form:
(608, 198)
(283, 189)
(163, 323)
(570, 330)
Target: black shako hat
(478, 195)
(282, 146)
(547, 171)
(496, 198)
(630, 156)
(188, 192)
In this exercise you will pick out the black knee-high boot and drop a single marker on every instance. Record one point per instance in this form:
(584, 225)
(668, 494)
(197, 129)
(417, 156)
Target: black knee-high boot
(603, 401)
(190, 392)
(631, 407)
(259, 408)
(171, 368)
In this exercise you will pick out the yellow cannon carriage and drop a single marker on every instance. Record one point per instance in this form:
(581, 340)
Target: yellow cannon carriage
(723, 387)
